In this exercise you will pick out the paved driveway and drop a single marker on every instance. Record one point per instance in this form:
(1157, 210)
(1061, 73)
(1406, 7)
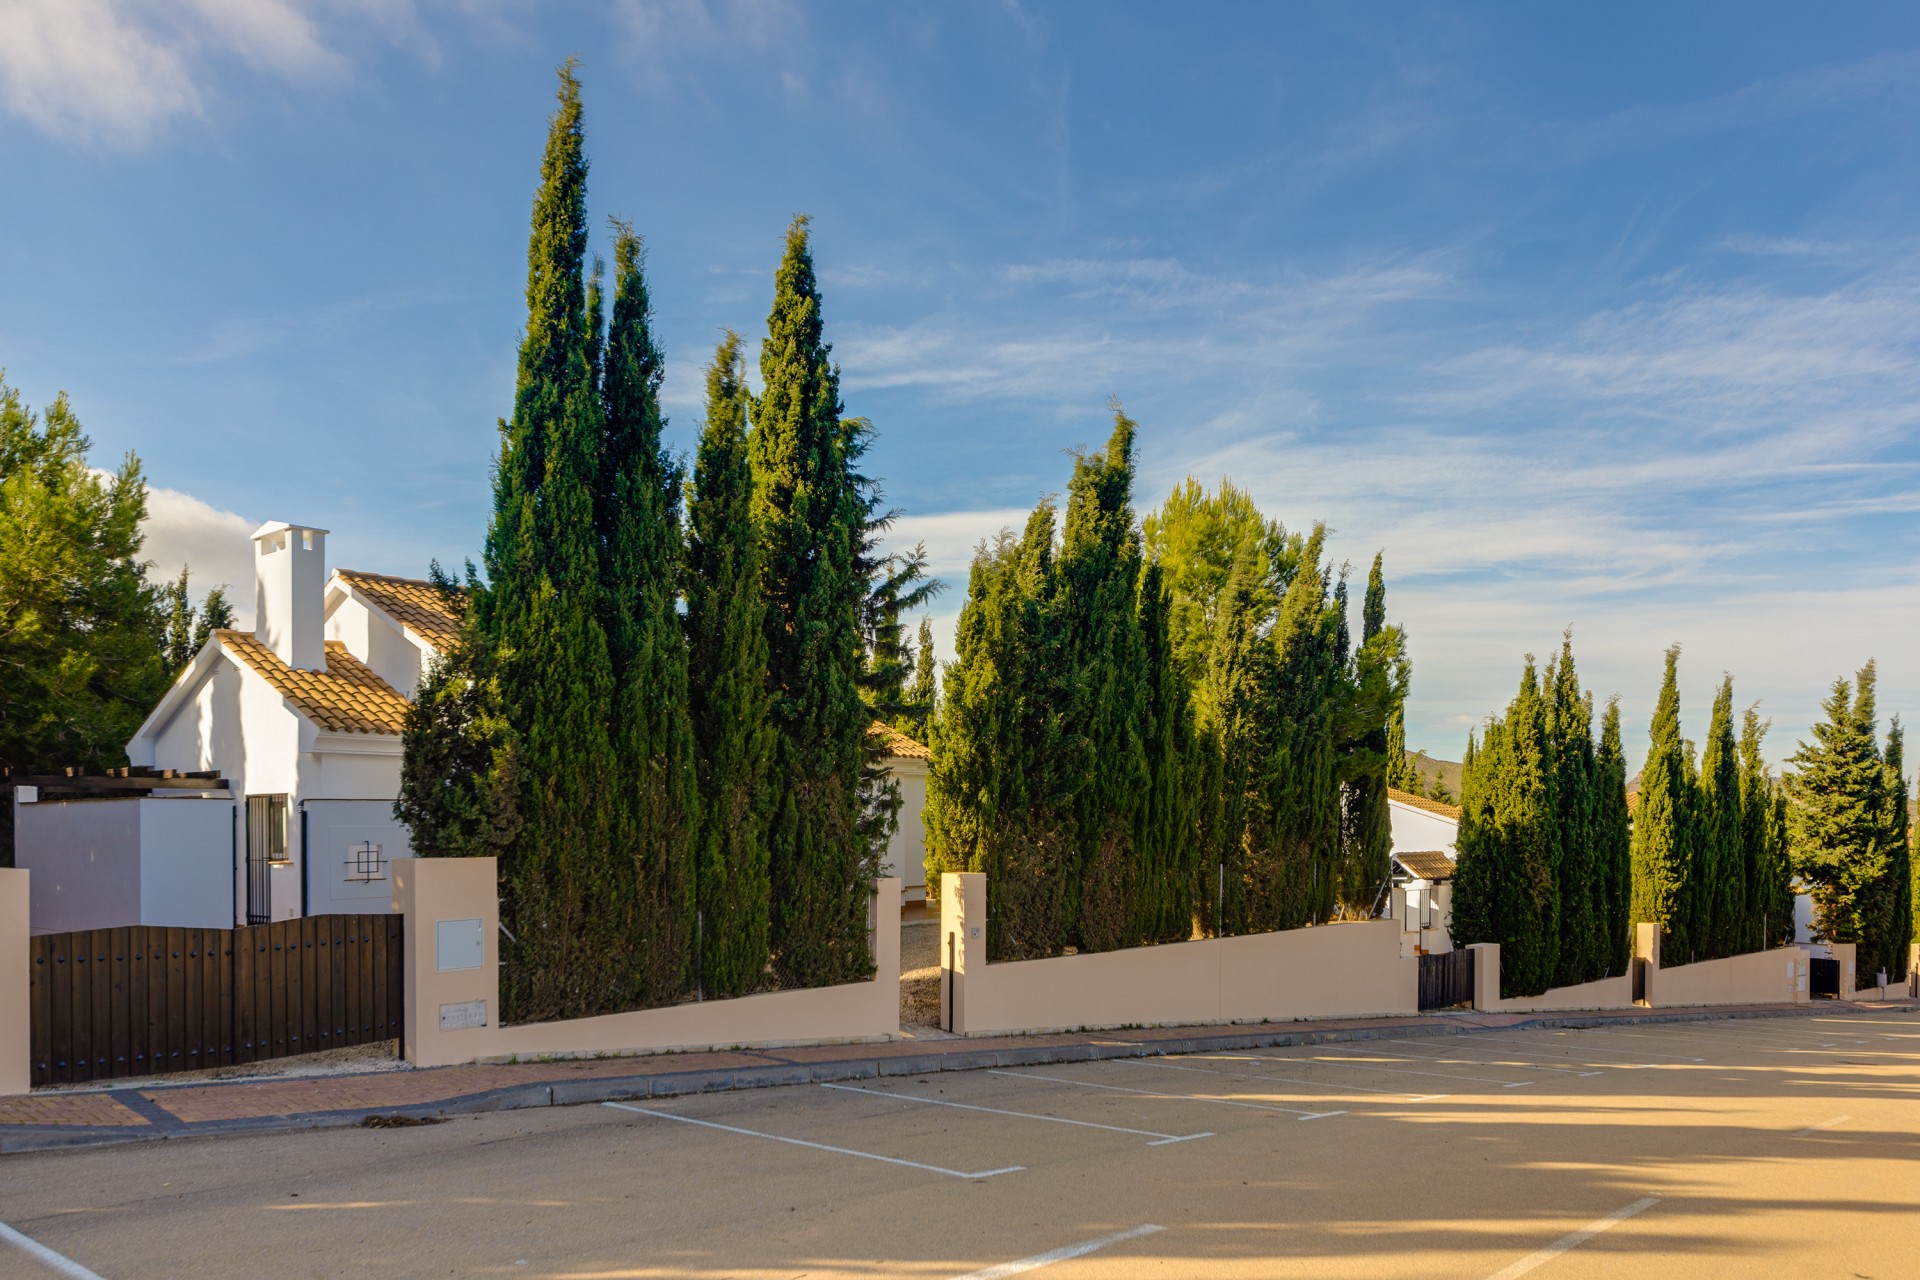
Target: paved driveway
(1779, 1147)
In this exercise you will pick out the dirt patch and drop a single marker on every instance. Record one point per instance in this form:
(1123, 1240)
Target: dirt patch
(355, 1060)
(920, 974)
(400, 1122)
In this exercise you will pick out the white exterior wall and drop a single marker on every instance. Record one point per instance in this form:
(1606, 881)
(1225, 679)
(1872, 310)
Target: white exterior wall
(1427, 929)
(376, 640)
(907, 851)
(101, 864)
(332, 829)
(1416, 830)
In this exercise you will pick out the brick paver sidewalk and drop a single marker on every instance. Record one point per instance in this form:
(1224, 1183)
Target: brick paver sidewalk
(149, 1111)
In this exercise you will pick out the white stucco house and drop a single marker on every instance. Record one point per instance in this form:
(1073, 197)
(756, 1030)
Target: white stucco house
(1425, 833)
(301, 720)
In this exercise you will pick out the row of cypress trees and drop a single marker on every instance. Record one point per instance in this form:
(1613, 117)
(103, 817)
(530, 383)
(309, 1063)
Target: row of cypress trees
(1152, 728)
(1851, 831)
(1543, 865)
(1710, 855)
(680, 801)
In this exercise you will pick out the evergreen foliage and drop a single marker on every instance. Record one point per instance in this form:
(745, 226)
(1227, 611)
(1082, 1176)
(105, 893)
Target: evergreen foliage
(812, 513)
(1505, 886)
(1164, 883)
(1767, 876)
(725, 624)
(923, 694)
(1612, 851)
(1662, 823)
(184, 630)
(1578, 914)
(1375, 706)
(900, 586)
(1720, 871)
(637, 494)
(1848, 831)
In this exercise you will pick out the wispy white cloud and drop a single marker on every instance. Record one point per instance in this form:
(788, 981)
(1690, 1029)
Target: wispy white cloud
(212, 544)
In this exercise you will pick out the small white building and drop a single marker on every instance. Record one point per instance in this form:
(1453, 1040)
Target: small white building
(302, 720)
(907, 763)
(1425, 833)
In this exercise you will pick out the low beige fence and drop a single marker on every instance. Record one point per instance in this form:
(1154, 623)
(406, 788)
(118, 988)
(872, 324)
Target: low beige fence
(1342, 970)
(1778, 976)
(453, 987)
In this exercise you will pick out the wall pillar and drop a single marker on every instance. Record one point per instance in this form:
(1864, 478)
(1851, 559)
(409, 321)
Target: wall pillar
(1845, 953)
(16, 1002)
(452, 962)
(1486, 976)
(963, 941)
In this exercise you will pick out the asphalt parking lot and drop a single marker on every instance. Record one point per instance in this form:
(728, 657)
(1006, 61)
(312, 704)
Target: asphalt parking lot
(1781, 1146)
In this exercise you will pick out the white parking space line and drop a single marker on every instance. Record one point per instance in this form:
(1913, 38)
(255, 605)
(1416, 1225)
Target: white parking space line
(1812, 1129)
(1176, 1097)
(1573, 1240)
(1061, 1254)
(56, 1262)
(1511, 1053)
(1618, 1053)
(1162, 1139)
(1356, 1065)
(1264, 1075)
(816, 1146)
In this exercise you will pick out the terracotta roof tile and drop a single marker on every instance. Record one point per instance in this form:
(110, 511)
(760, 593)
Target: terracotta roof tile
(415, 604)
(897, 743)
(1428, 864)
(1421, 802)
(345, 698)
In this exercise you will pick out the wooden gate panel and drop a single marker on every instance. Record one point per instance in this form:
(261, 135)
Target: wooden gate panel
(145, 1000)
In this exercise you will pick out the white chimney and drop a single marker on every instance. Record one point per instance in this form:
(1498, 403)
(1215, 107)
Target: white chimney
(289, 589)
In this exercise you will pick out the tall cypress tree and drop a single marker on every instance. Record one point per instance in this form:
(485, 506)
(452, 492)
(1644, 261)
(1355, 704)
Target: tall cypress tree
(1577, 909)
(811, 513)
(1165, 835)
(923, 693)
(1898, 837)
(1376, 698)
(1099, 572)
(1504, 884)
(727, 644)
(563, 881)
(1662, 861)
(642, 557)
(1719, 838)
(1230, 715)
(1612, 851)
(1768, 881)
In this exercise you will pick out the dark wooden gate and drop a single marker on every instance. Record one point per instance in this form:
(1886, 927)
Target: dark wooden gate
(1823, 977)
(143, 1000)
(1446, 980)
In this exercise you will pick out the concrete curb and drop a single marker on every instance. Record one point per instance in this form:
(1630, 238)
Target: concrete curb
(19, 1139)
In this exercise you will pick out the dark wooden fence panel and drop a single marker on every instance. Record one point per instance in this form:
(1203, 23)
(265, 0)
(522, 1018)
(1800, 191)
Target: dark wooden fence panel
(1823, 977)
(145, 1000)
(1446, 979)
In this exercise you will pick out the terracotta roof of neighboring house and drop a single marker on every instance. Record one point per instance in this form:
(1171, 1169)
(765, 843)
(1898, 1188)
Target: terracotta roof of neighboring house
(411, 602)
(898, 743)
(1633, 802)
(345, 698)
(1421, 802)
(1428, 864)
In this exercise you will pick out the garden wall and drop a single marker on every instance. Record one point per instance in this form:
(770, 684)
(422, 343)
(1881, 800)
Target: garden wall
(1344, 970)
(1608, 993)
(453, 983)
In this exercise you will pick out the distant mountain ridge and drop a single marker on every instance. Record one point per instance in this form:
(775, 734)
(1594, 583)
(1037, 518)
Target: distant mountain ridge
(1432, 769)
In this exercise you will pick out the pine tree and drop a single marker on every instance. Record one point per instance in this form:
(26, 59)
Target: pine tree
(923, 694)
(727, 644)
(1719, 837)
(1504, 882)
(1099, 573)
(637, 513)
(78, 618)
(1612, 850)
(1662, 860)
(1578, 908)
(900, 586)
(1837, 821)
(812, 514)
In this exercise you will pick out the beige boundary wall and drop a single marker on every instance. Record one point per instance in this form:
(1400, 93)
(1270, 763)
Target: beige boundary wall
(1758, 977)
(16, 1008)
(1608, 993)
(1345, 970)
(453, 920)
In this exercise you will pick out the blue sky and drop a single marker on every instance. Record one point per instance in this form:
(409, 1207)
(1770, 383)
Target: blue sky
(1599, 317)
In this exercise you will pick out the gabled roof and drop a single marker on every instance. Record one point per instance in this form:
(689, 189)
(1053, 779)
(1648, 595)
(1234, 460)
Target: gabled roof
(1440, 807)
(1428, 864)
(897, 743)
(413, 603)
(345, 698)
